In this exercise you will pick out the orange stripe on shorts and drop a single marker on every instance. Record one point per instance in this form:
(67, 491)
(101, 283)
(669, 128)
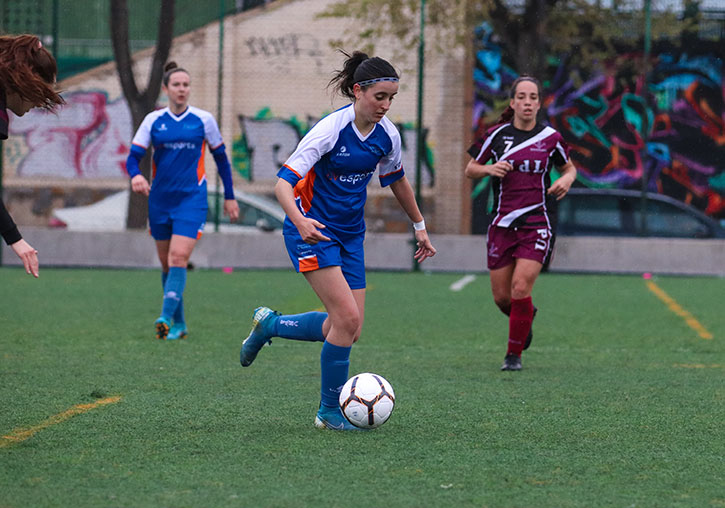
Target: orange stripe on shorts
(308, 264)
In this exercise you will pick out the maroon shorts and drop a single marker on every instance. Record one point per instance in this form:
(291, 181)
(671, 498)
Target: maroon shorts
(504, 245)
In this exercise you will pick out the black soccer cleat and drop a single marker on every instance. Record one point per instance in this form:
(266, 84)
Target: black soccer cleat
(511, 362)
(531, 332)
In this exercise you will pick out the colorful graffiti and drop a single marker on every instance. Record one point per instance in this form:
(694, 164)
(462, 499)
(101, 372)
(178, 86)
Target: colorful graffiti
(88, 138)
(669, 129)
(266, 142)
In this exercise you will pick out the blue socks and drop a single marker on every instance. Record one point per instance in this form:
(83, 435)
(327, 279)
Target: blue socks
(334, 366)
(307, 326)
(173, 291)
(179, 314)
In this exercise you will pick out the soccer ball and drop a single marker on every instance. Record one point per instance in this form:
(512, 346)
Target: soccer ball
(367, 400)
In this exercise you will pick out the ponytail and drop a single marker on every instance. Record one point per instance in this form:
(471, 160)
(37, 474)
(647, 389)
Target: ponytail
(361, 70)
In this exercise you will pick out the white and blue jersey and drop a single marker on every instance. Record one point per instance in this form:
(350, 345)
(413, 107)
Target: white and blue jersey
(178, 155)
(332, 165)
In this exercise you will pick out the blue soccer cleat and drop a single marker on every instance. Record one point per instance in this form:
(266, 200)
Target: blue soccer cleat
(331, 418)
(177, 331)
(162, 328)
(261, 334)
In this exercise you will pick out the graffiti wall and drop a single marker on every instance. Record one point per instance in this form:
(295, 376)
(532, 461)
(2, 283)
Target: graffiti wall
(668, 128)
(88, 138)
(267, 141)
(277, 64)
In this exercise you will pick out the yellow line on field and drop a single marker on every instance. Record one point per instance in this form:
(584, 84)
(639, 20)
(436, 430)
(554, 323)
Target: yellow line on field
(21, 434)
(677, 309)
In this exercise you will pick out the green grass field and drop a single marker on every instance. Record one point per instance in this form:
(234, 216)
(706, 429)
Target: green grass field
(621, 402)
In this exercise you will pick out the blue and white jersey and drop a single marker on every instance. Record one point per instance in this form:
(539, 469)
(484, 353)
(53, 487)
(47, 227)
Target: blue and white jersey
(178, 155)
(332, 165)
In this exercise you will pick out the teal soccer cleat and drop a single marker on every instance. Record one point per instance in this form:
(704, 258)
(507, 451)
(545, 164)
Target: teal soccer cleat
(331, 418)
(261, 334)
(177, 331)
(162, 328)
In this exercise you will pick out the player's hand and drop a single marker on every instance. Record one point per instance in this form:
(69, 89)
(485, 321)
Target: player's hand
(231, 209)
(425, 248)
(310, 231)
(28, 255)
(561, 186)
(498, 169)
(140, 185)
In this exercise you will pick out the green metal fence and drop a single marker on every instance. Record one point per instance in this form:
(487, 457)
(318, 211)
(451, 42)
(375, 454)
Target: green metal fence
(78, 31)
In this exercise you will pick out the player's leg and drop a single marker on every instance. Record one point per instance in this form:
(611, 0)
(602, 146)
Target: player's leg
(522, 310)
(501, 287)
(343, 307)
(309, 326)
(178, 328)
(161, 232)
(532, 252)
(180, 249)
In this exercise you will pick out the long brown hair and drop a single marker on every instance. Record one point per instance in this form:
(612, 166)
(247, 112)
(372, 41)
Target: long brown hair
(29, 70)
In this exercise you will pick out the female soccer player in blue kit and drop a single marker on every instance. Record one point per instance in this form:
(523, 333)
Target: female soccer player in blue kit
(177, 196)
(518, 152)
(322, 188)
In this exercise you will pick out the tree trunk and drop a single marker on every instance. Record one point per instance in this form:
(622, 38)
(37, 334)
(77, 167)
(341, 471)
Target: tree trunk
(140, 103)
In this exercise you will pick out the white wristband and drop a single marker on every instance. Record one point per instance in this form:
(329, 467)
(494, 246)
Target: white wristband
(419, 226)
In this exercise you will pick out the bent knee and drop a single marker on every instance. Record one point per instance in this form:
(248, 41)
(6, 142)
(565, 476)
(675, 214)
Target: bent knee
(503, 303)
(178, 259)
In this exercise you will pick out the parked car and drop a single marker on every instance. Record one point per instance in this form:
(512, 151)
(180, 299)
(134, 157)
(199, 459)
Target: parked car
(616, 212)
(256, 214)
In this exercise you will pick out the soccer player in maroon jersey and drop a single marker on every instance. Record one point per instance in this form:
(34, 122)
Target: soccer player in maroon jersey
(27, 81)
(518, 153)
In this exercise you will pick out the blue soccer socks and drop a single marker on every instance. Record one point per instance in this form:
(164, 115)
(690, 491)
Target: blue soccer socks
(173, 291)
(334, 367)
(307, 326)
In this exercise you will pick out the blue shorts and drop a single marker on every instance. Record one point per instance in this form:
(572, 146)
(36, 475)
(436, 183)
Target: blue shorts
(180, 221)
(348, 255)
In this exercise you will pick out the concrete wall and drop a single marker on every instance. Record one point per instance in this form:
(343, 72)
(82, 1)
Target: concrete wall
(390, 251)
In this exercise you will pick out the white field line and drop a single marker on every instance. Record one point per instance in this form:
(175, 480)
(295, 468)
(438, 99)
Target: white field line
(462, 282)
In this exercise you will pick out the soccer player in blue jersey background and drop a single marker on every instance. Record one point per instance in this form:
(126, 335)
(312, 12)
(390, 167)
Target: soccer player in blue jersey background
(323, 189)
(178, 196)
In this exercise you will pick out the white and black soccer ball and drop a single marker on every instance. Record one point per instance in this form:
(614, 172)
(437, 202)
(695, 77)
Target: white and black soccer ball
(367, 400)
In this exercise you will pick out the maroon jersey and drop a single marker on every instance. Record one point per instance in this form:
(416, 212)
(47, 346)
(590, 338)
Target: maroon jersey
(520, 196)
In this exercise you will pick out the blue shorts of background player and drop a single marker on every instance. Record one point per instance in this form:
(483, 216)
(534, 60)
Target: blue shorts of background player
(348, 254)
(179, 221)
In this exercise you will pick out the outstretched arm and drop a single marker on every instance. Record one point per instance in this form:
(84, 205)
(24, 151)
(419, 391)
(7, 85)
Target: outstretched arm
(27, 254)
